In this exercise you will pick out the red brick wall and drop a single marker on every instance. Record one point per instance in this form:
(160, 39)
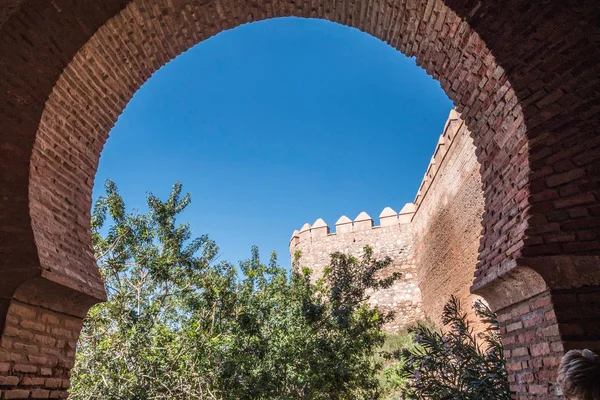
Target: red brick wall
(37, 352)
(533, 346)
(447, 222)
(538, 331)
(102, 77)
(578, 313)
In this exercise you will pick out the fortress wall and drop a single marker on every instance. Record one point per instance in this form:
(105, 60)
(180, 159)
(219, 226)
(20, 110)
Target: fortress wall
(434, 242)
(447, 222)
(391, 239)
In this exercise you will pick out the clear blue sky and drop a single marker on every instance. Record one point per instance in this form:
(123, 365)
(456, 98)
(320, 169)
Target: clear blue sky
(274, 124)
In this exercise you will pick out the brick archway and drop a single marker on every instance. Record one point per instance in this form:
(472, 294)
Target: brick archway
(524, 77)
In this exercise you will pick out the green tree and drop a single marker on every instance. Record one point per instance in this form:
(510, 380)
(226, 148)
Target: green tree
(296, 339)
(135, 345)
(391, 381)
(180, 325)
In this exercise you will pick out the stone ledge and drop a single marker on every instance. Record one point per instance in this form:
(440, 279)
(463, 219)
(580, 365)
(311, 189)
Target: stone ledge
(521, 279)
(58, 297)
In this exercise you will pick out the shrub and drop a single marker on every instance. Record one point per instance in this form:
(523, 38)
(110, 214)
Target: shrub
(391, 383)
(456, 364)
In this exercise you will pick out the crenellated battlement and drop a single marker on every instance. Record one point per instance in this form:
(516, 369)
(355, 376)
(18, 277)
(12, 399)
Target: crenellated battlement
(452, 129)
(344, 225)
(392, 238)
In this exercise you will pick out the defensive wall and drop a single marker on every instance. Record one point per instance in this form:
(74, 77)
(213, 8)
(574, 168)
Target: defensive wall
(433, 242)
(391, 238)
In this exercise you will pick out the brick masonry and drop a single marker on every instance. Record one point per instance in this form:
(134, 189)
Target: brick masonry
(37, 351)
(524, 75)
(448, 220)
(532, 346)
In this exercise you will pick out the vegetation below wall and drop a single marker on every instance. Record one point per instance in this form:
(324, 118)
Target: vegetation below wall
(179, 325)
(426, 363)
(455, 363)
(393, 385)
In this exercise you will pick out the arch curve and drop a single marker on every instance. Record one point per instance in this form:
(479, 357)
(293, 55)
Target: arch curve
(97, 84)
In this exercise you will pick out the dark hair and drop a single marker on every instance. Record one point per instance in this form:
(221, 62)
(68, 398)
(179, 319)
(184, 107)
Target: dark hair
(579, 375)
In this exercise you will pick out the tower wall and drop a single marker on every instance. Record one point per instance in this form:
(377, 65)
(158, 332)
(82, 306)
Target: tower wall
(434, 242)
(447, 221)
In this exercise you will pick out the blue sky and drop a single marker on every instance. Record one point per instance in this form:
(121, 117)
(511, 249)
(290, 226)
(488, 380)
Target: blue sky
(274, 124)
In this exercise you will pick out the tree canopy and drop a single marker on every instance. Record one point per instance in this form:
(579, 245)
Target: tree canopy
(180, 324)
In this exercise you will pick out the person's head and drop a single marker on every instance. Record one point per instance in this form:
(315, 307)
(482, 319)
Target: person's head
(579, 375)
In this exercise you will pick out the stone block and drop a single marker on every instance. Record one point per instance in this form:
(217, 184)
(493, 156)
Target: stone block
(319, 229)
(388, 217)
(363, 222)
(304, 233)
(406, 214)
(343, 225)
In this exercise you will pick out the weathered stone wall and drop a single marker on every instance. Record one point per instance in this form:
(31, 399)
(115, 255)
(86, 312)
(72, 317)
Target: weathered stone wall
(433, 242)
(447, 222)
(391, 239)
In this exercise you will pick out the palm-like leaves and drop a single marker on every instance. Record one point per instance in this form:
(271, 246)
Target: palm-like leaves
(457, 364)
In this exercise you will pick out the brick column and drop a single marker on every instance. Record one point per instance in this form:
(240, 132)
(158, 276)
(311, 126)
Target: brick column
(38, 340)
(546, 306)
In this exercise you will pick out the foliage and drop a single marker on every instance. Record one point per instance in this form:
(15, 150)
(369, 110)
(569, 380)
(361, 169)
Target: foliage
(136, 345)
(179, 325)
(455, 364)
(391, 381)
